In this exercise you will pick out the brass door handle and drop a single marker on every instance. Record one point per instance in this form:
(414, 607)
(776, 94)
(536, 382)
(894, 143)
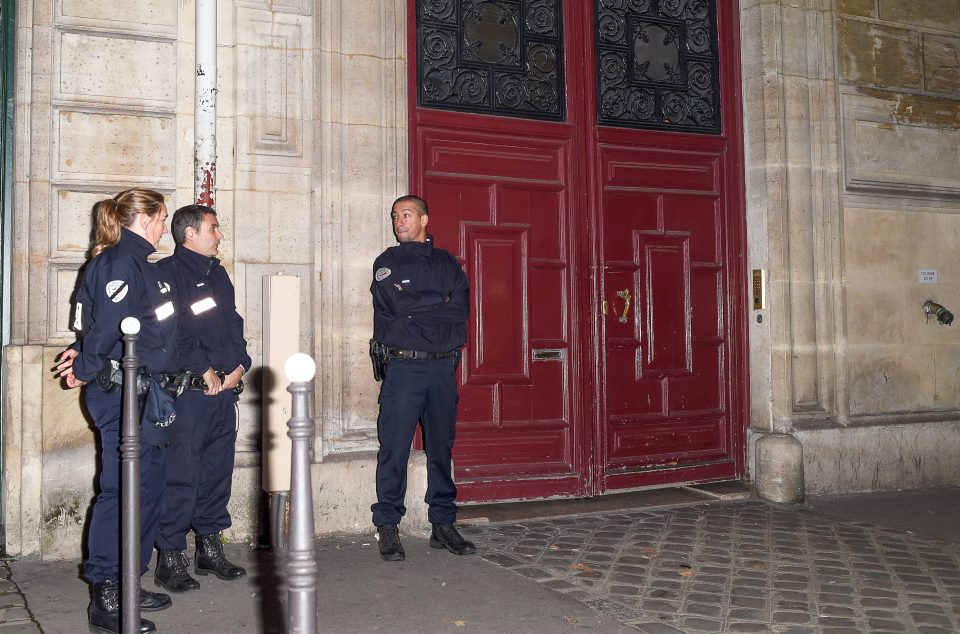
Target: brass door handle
(625, 296)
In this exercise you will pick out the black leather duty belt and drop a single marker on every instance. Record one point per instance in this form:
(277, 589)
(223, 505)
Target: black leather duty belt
(193, 381)
(111, 377)
(419, 355)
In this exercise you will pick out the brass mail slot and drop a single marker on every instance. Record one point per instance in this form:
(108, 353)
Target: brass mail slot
(548, 354)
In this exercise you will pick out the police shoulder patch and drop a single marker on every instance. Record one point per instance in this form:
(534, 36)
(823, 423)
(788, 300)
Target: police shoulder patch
(382, 274)
(117, 290)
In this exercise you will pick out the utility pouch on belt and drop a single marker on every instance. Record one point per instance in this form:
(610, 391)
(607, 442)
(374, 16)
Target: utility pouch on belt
(157, 414)
(378, 355)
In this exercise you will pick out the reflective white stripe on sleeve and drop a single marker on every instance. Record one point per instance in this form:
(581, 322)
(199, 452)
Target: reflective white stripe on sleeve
(203, 305)
(78, 318)
(164, 310)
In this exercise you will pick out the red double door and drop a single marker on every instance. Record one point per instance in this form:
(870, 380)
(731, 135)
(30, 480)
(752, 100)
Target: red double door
(602, 230)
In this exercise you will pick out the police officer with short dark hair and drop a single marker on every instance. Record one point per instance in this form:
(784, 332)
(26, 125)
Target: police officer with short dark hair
(420, 309)
(120, 282)
(213, 354)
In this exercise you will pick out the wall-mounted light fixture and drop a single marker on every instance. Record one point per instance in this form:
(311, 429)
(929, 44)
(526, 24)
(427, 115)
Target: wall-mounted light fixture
(933, 309)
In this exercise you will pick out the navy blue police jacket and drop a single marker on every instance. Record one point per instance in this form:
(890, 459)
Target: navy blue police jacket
(211, 330)
(120, 282)
(421, 298)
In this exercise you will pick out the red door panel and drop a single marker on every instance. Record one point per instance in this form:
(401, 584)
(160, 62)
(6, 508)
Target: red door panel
(664, 364)
(670, 227)
(497, 256)
(501, 206)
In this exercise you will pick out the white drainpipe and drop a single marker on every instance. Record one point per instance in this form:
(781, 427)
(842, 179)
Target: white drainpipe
(205, 106)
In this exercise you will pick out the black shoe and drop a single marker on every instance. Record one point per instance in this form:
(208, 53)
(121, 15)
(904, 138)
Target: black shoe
(447, 536)
(171, 573)
(153, 601)
(211, 560)
(103, 613)
(388, 539)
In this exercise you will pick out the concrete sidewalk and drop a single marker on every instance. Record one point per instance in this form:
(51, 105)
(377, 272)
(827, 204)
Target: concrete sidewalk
(432, 591)
(868, 563)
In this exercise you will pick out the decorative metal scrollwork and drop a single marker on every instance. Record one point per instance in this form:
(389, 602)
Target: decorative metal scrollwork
(500, 57)
(658, 64)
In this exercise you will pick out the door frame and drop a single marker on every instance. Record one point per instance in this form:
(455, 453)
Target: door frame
(7, 96)
(585, 287)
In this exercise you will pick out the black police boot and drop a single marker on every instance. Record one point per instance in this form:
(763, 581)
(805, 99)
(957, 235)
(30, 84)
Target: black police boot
(447, 536)
(154, 601)
(388, 539)
(103, 613)
(171, 572)
(210, 559)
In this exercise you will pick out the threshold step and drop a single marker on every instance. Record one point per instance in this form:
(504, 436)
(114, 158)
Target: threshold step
(729, 491)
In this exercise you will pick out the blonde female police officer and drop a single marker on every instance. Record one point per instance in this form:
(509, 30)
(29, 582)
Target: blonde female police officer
(120, 282)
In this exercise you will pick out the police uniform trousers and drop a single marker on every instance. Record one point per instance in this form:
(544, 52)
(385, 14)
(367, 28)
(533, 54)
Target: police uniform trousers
(103, 561)
(413, 390)
(199, 468)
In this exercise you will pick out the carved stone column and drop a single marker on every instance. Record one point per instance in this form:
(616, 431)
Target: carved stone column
(361, 100)
(793, 213)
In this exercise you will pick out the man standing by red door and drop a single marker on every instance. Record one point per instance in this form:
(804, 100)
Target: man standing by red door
(421, 301)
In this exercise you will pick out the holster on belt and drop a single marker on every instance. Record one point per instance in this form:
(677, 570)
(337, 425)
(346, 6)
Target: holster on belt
(379, 358)
(110, 377)
(104, 377)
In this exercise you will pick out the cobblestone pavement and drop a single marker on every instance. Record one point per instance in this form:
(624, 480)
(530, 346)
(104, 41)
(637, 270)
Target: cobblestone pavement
(736, 567)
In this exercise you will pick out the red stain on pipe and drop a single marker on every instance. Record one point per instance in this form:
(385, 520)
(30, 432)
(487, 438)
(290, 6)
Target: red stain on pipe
(206, 190)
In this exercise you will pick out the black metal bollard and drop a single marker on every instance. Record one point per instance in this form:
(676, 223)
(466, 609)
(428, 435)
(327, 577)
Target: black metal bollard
(130, 480)
(301, 562)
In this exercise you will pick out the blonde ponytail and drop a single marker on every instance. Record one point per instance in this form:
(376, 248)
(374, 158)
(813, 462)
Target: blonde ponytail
(107, 230)
(120, 211)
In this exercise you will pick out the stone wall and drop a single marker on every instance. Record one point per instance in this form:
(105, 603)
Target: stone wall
(311, 147)
(792, 184)
(900, 99)
(851, 366)
(98, 103)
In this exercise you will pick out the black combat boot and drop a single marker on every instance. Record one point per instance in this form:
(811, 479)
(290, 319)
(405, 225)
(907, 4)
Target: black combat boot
(447, 536)
(210, 559)
(388, 539)
(103, 614)
(154, 601)
(171, 572)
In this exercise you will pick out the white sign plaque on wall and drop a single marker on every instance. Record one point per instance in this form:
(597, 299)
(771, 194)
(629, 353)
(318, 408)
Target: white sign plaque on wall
(929, 276)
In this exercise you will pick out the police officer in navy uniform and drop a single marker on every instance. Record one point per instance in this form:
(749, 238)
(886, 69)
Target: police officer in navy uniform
(213, 353)
(120, 282)
(420, 308)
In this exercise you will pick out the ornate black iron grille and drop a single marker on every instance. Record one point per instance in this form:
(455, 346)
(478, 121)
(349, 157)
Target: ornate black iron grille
(501, 57)
(657, 64)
